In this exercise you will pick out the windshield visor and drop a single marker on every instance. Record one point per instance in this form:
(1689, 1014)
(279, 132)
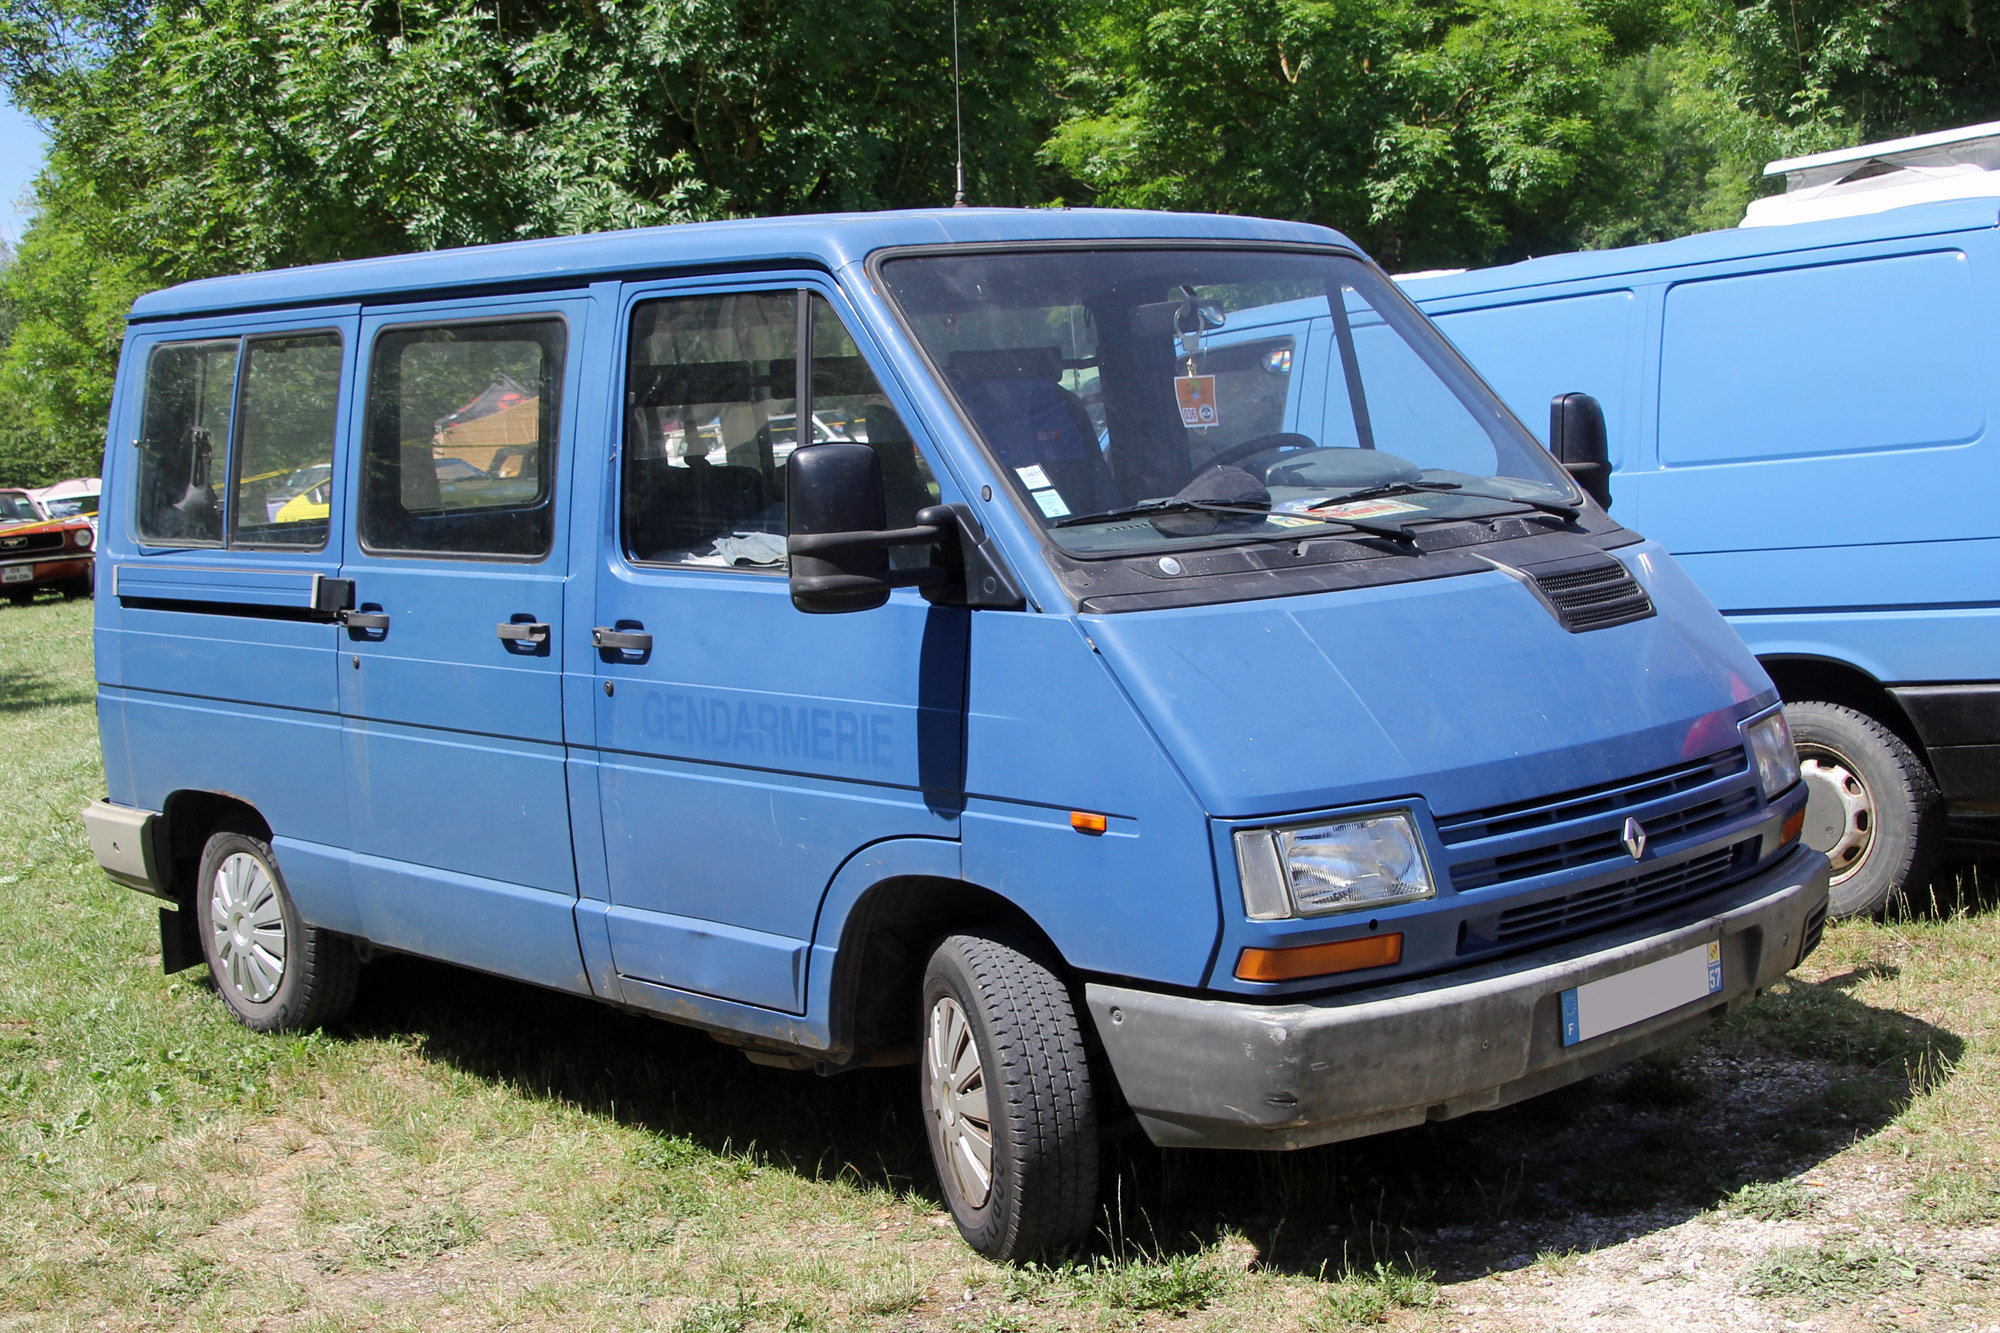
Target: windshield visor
(1137, 398)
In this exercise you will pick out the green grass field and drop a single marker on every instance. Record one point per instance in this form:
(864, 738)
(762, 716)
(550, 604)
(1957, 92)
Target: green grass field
(471, 1153)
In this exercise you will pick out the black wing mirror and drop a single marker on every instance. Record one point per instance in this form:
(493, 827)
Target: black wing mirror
(839, 547)
(1577, 439)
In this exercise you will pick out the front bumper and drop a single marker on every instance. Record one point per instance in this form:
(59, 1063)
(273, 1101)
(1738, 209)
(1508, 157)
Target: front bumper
(45, 569)
(1230, 1074)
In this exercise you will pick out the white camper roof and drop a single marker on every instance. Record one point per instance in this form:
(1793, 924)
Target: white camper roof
(1923, 168)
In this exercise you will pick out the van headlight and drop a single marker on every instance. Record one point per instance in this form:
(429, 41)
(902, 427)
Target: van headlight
(1334, 865)
(1769, 740)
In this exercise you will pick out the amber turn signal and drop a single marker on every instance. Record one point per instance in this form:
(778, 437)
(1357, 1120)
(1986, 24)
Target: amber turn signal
(1793, 827)
(1085, 822)
(1319, 960)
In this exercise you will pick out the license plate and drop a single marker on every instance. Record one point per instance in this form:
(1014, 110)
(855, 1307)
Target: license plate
(17, 574)
(1610, 1003)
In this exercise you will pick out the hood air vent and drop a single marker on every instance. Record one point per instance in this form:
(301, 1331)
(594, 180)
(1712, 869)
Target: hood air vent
(1596, 594)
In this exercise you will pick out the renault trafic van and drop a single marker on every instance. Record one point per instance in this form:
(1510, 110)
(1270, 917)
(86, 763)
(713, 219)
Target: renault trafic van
(1124, 665)
(1803, 414)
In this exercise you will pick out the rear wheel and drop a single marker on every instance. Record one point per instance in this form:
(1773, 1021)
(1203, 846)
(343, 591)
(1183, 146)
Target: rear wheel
(1007, 1097)
(1871, 806)
(275, 973)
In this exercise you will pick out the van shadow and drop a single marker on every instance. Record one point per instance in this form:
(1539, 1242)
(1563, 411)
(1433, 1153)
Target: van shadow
(671, 1080)
(25, 691)
(1777, 1088)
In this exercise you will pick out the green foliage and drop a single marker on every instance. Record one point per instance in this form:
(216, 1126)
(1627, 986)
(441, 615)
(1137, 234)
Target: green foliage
(189, 140)
(1365, 1296)
(1772, 1200)
(1829, 1274)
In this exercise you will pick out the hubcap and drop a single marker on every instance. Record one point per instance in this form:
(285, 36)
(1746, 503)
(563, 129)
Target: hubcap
(958, 1102)
(248, 924)
(1840, 812)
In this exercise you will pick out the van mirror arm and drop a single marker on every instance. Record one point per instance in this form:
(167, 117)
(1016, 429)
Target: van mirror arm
(966, 570)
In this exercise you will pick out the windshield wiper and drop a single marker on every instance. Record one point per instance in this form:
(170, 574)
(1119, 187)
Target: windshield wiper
(1148, 508)
(1556, 507)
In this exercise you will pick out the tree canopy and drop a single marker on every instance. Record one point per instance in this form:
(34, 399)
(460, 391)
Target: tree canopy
(196, 137)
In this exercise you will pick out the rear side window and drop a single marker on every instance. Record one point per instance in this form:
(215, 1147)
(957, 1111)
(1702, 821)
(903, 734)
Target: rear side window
(286, 417)
(712, 418)
(260, 410)
(1876, 354)
(459, 449)
(184, 442)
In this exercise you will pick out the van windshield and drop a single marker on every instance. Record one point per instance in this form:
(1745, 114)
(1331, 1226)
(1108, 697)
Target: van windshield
(1242, 394)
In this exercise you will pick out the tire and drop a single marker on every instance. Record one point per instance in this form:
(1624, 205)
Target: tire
(997, 1029)
(80, 586)
(275, 973)
(1871, 806)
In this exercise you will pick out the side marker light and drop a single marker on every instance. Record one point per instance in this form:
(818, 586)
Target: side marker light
(1085, 822)
(1793, 827)
(1319, 960)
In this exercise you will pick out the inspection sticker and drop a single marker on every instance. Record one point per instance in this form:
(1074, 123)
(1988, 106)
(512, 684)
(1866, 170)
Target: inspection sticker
(1618, 1001)
(1033, 477)
(1196, 394)
(1051, 502)
(1368, 509)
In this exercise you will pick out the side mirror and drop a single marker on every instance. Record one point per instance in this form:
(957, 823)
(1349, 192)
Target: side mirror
(835, 491)
(840, 550)
(1577, 439)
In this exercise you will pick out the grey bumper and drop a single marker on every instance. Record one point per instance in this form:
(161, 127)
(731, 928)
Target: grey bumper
(122, 839)
(1233, 1074)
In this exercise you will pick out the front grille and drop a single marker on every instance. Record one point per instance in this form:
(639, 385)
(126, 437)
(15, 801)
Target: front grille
(1597, 595)
(1567, 846)
(1607, 904)
(29, 543)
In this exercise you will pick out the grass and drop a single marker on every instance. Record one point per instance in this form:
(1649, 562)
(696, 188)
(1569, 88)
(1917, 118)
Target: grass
(1830, 1274)
(466, 1152)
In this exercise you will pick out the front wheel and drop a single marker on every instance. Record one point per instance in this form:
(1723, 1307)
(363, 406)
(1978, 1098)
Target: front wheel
(1871, 806)
(276, 973)
(1007, 1097)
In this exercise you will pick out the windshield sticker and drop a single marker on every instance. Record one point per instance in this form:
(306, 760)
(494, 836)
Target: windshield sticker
(1051, 503)
(1368, 509)
(1293, 521)
(1033, 477)
(1196, 394)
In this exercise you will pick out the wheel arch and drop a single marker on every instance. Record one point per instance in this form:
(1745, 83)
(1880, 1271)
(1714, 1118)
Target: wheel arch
(885, 908)
(190, 818)
(1801, 677)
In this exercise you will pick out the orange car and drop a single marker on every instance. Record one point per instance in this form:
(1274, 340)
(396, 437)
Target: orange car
(38, 552)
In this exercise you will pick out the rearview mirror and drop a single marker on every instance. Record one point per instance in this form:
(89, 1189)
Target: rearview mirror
(840, 551)
(1577, 439)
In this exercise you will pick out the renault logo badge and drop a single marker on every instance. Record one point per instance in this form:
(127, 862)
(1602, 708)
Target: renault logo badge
(1635, 838)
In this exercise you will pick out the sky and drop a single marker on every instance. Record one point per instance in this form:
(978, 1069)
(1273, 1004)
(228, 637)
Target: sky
(21, 143)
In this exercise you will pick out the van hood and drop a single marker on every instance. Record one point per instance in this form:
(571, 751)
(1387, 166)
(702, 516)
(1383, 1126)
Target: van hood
(1463, 691)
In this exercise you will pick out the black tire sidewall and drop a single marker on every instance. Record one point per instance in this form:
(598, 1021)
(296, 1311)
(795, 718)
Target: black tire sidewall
(281, 1012)
(984, 1227)
(1905, 806)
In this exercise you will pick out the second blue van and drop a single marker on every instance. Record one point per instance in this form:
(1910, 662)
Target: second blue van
(1125, 666)
(1804, 415)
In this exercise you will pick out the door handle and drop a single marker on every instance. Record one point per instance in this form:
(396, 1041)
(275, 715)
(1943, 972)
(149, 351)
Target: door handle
(365, 620)
(621, 640)
(533, 631)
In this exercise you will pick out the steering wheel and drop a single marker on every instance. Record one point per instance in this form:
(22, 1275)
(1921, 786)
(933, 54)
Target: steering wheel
(1281, 441)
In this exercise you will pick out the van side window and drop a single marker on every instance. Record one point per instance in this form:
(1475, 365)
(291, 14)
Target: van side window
(184, 442)
(712, 417)
(1766, 365)
(458, 455)
(285, 421)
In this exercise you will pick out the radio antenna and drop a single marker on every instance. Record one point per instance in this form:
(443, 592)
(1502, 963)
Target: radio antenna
(957, 109)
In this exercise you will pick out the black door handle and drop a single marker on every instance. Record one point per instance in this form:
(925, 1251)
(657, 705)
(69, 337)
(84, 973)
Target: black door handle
(365, 619)
(531, 631)
(621, 640)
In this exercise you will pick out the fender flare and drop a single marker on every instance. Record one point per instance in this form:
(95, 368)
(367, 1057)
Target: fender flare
(891, 858)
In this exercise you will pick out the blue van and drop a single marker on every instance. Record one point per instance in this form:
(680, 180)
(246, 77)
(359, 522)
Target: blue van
(1125, 665)
(1800, 414)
